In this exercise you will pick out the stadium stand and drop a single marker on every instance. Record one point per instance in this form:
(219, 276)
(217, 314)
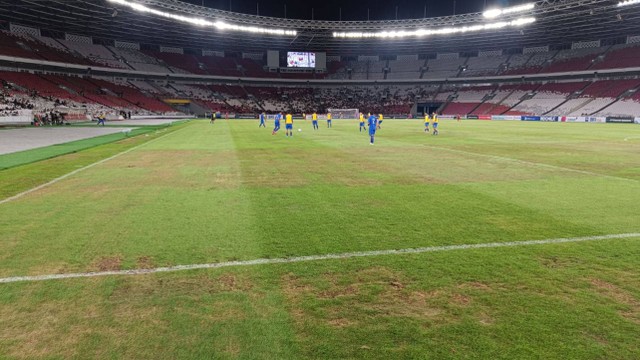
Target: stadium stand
(620, 56)
(188, 63)
(28, 47)
(573, 60)
(602, 97)
(484, 65)
(444, 68)
(138, 60)
(404, 68)
(528, 63)
(407, 67)
(622, 108)
(96, 53)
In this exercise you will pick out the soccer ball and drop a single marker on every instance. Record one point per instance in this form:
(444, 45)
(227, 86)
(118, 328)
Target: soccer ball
(299, 130)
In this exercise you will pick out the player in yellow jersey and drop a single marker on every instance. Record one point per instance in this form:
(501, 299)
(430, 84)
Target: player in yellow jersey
(380, 118)
(362, 125)
(426, 122)
(329, 120)
(434, 123)
(314, 121)
(288, 125)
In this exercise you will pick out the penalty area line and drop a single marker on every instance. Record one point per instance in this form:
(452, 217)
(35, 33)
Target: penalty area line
(298, 259)
(58, 179)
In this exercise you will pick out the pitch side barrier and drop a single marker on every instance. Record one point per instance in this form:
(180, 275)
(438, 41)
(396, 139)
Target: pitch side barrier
(578, 119)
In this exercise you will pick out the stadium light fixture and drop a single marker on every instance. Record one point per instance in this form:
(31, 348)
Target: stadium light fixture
(494, 13)
(203, 22)
(431, 32)
(628, 2)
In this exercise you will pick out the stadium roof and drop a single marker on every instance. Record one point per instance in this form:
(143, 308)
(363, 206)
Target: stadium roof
(557, 22)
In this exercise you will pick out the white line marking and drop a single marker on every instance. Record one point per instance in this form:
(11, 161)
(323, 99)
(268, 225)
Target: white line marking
(314, 258)
(58, 179)
(555, 167)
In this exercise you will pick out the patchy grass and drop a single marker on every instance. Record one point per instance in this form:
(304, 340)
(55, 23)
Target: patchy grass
(231, 191)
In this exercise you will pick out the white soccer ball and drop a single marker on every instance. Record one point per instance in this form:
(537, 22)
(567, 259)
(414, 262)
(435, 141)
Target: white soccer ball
(299, 130)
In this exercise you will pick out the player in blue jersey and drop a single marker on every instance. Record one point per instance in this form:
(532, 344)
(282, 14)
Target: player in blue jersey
(373, 125)
(262, 123)
(276, 123)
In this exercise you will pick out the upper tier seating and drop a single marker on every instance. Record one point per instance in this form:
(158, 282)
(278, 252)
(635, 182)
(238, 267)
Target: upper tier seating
(483, 65)
(96, 53)
(443, 68)
(620, 56)
(404, 67)
(29, 47)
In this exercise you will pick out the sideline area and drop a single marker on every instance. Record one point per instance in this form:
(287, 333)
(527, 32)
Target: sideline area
(15, 140)
(47, 144)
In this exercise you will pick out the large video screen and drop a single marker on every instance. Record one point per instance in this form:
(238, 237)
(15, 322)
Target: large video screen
(301, 59)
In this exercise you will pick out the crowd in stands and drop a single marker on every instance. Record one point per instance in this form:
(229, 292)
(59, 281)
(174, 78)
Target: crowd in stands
(91, 96)
(10, 104)
(578, 98)
(45, 93)
(13, 104)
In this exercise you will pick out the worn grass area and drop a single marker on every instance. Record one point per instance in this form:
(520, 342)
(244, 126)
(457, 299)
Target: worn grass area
(232, 191)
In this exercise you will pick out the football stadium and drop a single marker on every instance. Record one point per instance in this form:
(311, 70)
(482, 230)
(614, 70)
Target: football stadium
(203, 179)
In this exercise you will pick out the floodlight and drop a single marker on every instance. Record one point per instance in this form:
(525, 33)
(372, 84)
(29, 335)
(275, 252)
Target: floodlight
(203, 22)
(628, 2)
(430, 32)
(494, 13)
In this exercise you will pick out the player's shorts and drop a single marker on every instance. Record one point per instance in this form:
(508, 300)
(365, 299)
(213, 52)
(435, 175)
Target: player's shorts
(315, 122)
(435, 125)
(289, 126)
(362, 124)
(426, 124)
(372, 131)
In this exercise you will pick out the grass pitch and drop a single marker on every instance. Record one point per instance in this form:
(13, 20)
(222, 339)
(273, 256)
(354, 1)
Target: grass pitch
(207, 193)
